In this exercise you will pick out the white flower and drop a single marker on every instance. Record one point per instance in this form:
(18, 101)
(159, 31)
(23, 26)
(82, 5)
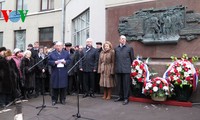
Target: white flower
(184, 82)
(138, 76)
(175, 77)
(189, 71)
(186, 74)
(165, 88)
(179, 69)
(133, 82)
(188, 65)
(149, 85)
(133, 70)
(137, 67)
(172, 70)
(158, 82)
(155, 89)
(140, 71)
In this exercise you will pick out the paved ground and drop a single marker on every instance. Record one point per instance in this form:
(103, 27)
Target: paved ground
(98, 109)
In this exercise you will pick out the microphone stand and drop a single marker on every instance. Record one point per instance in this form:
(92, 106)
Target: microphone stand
(43, 99)
(78, 115)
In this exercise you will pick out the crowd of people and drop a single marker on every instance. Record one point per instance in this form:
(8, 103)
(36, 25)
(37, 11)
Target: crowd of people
(63, 70)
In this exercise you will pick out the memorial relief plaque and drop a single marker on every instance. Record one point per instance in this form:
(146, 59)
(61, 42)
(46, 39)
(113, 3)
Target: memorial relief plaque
(161, 26)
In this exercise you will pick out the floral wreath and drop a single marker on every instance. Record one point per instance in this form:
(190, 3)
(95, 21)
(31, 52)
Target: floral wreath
(158, 87)
(139, 72)
(182, 72)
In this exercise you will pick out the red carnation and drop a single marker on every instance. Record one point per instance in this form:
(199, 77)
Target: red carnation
(160, 86)
(179, 81)
(175, 70)
(187, 78)
(151, 91)
(142, 66)
(136, 62)
(186, 69)
(139, 79)
(134, 74)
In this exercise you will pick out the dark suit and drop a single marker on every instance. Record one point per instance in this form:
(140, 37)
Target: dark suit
(88, 64)
(123, 59)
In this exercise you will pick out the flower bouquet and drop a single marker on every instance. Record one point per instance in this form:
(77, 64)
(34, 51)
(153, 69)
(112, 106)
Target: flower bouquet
(182, 74)
(158, 88)
(139, 75)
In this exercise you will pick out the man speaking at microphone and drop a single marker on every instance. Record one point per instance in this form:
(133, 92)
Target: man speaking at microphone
(89, 66)
(59, 59)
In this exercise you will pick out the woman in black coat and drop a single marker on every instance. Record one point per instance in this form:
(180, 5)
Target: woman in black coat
(28, 75)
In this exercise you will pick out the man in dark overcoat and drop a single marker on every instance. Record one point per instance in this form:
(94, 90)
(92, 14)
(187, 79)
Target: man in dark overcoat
(89, 66)
(59, 59)
(124, 56)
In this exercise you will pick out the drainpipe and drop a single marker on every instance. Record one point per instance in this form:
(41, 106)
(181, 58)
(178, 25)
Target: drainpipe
(63, 19)
(63, 22)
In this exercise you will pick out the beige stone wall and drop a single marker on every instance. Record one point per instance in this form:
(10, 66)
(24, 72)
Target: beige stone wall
(34, 20)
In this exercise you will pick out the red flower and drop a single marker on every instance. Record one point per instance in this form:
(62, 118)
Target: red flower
(161, 86)
(186, 69)
(179, 81)
(142, 66)
(140, 80)
(151, 91)
(175, 71)
(136, 63)
(134, 74)
(187, 78)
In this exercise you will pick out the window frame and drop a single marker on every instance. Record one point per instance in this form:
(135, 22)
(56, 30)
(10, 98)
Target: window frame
(47, 5)
(1, 42)
(78, 29)
(48, 43)
(15, 39)
(1, 8)
(23, 5)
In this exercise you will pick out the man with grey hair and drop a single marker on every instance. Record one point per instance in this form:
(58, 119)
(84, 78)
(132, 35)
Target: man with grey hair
(124, 57)
(89, 66)
(59, 60)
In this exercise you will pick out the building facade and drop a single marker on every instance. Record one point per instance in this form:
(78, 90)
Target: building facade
(43, 23)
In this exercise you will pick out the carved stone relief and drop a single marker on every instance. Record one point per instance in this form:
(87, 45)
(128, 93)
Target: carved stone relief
(158, 26)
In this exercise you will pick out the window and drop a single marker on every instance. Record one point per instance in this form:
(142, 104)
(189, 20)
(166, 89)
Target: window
(46, 36)
(47, 5)
(20, 39)
(1, 8)
(22, 5)
(80, 26)
(1, 39)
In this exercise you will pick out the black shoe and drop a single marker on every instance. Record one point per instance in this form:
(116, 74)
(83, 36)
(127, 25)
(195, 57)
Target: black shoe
(53, 103)
(92, 95)
(118, 99)
(125, 102)
(85, 95)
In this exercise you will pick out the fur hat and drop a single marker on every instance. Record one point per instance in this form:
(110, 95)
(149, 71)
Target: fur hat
(16, 50)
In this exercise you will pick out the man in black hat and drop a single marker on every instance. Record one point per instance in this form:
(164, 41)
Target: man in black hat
(71, 78)
(68, 46)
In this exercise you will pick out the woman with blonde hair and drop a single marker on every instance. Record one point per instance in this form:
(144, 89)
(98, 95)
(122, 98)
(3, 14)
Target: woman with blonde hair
(106, 69)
